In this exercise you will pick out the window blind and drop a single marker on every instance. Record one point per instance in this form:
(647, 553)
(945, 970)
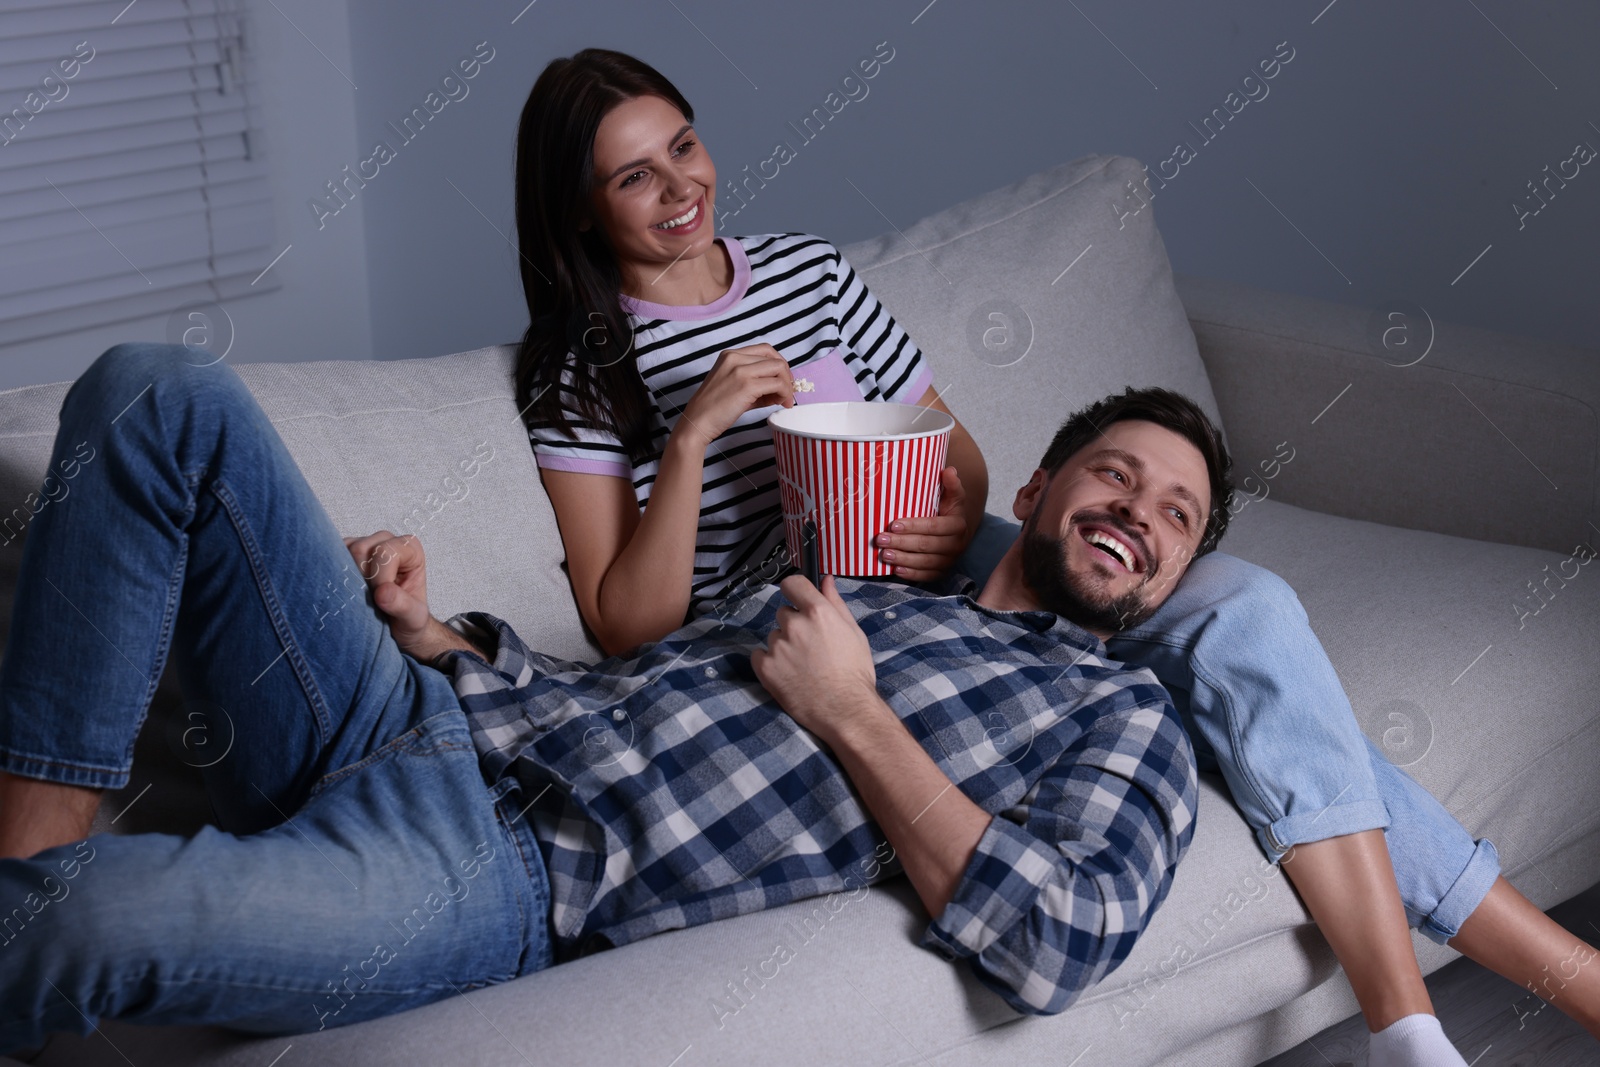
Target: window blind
(131, 182)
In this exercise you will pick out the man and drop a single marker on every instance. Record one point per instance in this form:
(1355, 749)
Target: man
(1037, 794)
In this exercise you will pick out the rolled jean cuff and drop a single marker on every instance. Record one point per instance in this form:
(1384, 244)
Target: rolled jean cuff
(1278, 838)
(63, 773)
(1464, 895)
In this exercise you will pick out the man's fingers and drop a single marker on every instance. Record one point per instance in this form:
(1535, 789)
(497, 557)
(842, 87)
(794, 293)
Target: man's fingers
(381, 556)
(830, 589)
(800, 592)
(362, 549)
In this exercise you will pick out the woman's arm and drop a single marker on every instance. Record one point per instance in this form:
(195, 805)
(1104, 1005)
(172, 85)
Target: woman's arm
(927, 548)
(631, 571)
(964, 454)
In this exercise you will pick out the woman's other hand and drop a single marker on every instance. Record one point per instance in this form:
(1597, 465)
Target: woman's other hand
(755, 376)
(923, 549)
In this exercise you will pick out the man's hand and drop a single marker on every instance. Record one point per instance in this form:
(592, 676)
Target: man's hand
(924, 549)
(817, 663)
(397, 573)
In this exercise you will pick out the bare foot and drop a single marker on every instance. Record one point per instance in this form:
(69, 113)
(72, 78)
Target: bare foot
(36, 815)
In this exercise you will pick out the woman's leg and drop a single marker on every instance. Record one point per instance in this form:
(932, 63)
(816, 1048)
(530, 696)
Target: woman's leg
(1265, 708)
(187, 524)
(1455, 895)
(1348, 885)
(1364, 887)
(1513, 938)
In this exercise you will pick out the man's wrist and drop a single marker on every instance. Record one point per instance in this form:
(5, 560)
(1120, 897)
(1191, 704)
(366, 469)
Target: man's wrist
(857, 718)
(440, 639)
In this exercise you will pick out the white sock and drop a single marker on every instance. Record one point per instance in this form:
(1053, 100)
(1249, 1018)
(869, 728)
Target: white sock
(1414, 1041)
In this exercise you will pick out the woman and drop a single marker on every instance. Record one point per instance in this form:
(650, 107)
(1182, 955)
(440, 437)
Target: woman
(650, 365)
(656, 351)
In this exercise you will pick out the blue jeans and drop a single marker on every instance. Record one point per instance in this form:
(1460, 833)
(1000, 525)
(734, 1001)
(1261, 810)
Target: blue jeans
(1265, 709)
(362, 867)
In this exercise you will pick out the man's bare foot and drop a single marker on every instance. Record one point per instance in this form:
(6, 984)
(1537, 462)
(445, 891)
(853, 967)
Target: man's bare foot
(36, 815)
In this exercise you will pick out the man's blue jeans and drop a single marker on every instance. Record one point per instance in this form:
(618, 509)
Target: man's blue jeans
(372, 869)
(1265, 709)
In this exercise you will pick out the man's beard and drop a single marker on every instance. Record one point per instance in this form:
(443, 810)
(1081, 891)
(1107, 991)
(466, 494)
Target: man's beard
(1044, 569)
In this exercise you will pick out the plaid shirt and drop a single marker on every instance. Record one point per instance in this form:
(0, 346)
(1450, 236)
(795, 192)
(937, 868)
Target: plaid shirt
(669, 789)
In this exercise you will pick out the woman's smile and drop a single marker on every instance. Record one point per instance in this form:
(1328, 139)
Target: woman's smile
(685, 223)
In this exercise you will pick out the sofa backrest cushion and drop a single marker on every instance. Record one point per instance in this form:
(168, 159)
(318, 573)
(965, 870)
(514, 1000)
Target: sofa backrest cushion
(381, 443)
(1035, 300)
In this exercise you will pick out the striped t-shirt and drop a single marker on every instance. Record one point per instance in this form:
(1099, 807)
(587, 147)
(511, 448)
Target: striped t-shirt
(794, 292)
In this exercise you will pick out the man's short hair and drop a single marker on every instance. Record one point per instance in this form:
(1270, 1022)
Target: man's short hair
(1170, 410)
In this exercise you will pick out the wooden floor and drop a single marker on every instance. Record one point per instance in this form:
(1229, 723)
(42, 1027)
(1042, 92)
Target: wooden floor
(1491, 1021)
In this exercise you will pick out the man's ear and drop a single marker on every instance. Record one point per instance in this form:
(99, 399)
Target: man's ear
(1031, 495)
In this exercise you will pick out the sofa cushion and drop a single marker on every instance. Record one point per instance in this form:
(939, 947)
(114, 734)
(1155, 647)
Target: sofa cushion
(379, 443)
(1034, 300)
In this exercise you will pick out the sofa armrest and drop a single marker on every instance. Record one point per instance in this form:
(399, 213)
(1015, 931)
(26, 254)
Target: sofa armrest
(1489, 436)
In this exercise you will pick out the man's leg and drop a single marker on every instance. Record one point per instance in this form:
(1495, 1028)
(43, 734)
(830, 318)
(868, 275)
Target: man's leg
(188, 524)
(394, 886)
(187, 516)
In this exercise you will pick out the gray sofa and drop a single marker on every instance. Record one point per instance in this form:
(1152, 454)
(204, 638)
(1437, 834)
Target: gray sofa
(1420, 505)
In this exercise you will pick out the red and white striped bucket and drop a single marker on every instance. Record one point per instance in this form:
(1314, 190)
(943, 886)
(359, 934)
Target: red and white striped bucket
(854, 467)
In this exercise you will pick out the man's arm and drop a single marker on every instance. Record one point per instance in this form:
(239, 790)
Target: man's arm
(932, 825)
(395, 568)
(1043, 899)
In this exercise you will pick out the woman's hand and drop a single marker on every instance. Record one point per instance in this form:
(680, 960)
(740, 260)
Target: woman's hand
(397, 574)
(755, 376)
(924, 549)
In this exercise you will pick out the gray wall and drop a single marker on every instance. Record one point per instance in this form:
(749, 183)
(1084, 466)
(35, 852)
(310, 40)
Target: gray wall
(1395, 140)
(308, 114)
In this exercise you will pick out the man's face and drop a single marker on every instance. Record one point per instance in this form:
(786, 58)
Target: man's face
(1112, 531)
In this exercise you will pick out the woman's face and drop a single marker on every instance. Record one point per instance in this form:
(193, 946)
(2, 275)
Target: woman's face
(650, 169)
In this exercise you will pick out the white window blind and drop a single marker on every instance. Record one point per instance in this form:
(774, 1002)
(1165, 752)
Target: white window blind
(134, 186)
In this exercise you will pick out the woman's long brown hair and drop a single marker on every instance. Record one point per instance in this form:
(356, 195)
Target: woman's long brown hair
(570, 277)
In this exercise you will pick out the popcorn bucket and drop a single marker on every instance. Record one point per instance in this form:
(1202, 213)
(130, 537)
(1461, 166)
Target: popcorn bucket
(852, 468)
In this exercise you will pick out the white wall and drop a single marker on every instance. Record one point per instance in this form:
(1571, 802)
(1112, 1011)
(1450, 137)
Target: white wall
(321, 309)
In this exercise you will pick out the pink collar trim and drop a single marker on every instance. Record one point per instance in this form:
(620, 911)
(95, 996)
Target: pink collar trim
(645, 309)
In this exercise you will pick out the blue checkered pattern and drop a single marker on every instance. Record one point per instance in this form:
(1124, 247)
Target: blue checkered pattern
(669, 789)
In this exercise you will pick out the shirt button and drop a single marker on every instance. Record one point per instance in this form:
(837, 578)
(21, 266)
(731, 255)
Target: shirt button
(711, 672)
(618, 714)
(888, 614)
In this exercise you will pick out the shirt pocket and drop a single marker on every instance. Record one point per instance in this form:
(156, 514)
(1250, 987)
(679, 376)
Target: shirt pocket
(824, 379)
